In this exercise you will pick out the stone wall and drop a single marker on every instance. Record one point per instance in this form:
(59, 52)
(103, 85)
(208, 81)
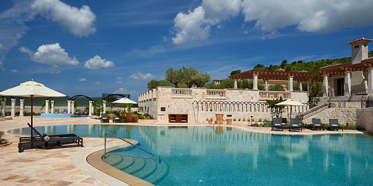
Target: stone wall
(201, 104)
(344, 115)
(365, 119)
(37, 109)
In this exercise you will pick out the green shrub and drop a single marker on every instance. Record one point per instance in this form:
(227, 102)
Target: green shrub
(252, 119)
(141, 117)
(255, 124)
(234, 119)
(267, 124)
(207, 119)
(1, 134)
(243, 119)
(265, 120)
(239, 119)
(260, 120)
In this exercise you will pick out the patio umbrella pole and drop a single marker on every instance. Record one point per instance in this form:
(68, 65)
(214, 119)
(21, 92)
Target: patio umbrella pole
(32, 111)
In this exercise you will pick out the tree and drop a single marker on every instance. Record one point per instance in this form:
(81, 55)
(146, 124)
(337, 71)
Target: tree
(283, 63)
(259, 67)
(276, 87)
(235, 72)
(202, 79)
(294, 63)
(174, 76)
(154, 83)
(276, 110)
(189, 76)
(110, 100)
(315, 90)
(226, 83)
(288, 69)
(300, 61)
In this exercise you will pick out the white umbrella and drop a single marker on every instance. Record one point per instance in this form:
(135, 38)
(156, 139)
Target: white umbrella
(31, 89)
(125, 101)
(290, 102)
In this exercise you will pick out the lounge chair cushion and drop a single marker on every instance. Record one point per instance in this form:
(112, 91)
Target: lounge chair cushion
(276, 124)
(47, 138)
(334, 125)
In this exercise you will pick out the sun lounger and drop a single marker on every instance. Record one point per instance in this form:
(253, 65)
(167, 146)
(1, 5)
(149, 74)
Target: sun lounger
(317, 124)
(116, 119)
(64, 110)
(77, 112)
(277, 123)
(295, 123)
(56, 110)
(40, 140)
(333, 123)
(104, 118)
(85, 112)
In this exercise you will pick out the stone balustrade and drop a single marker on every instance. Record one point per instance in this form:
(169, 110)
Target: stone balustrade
(181, 92)
(213, 93)
(273, 95)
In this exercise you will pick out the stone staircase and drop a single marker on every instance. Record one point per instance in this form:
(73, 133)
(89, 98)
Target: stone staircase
(141, 166)
(313, 111)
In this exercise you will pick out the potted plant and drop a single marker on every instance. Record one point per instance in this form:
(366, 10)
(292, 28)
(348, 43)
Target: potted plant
(210, 121)
(135, 118)
(129, 115)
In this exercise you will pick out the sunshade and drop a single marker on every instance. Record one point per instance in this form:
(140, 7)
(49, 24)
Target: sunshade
(290, 102)
(125, 101)
(31, 89)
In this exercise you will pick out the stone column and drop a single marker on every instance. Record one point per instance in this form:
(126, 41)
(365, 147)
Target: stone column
(290, 84)
(90, 108)
(12, 111)
(347, 91)
(235, 84)
(68, 106)
(46, 106)
(325, 85)
(3, 109)
(370, 81)
(52, 108)
(72, 107)
(104, 105)
(255, 81)
(266, 85)
(300, 86)
(21, 104)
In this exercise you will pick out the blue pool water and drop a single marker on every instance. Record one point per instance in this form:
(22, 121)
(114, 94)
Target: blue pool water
(226, 156)
(56, 115)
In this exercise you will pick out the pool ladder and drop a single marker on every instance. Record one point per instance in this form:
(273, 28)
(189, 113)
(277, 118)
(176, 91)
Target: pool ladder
(159, 157)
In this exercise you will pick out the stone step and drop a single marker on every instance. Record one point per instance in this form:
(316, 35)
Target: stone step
(112, 159)
(135, 167)
(126, 162)
(150, 168)
(159, 175)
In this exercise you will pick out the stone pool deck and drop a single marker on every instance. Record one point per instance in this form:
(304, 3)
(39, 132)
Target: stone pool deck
(68, 166)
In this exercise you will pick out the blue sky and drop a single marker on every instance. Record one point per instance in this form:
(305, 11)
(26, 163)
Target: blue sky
(94, 47)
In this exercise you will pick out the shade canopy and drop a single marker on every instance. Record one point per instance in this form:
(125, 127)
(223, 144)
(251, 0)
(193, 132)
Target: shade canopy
(290, 102)
(31, 88)
(125, 101)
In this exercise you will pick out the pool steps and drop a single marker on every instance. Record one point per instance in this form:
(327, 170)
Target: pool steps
(148, 169)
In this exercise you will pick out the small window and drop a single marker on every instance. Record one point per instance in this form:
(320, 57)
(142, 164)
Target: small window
(357, 46)
(163, 108)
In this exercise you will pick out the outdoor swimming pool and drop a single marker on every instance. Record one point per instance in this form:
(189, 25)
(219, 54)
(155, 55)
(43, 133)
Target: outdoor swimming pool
(226, 156)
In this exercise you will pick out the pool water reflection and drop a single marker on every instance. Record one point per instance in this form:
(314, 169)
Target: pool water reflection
(226, 156)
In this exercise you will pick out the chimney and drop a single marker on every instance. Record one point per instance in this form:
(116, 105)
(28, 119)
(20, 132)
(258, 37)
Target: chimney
(359, 49)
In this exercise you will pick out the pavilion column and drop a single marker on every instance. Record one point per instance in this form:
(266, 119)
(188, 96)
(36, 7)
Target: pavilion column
(370, 81)
(104, 106)
(290, 84)
(72, 107)
(3, 109)
(21, 104)
(300, 86)
(266, 85)
(325, 85)
(13, 108)
(52, 108)
(68, 106)
(235, 84)
(90, 108)
(347, 91)
(255, 81)
(46, 106)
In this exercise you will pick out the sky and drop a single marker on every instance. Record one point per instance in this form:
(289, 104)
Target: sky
(93, 47)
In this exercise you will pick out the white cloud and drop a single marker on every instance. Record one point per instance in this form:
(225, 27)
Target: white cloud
(1, 47)
(51, 54)
(96, 83)
(270, 15)
(97, 62)
(119, 82)
(141, 76)
(56, 72)
(124, 91)
(80, 22)
(119, 78)
(270, 35)
(14, 71)
(82, 79)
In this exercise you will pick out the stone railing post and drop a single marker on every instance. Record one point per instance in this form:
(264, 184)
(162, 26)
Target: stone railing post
(290, 84)
(12, 111)
(46, 106)
(68, 106)
(72, 107)
(90, 108)
(255, 81)
(235, 84)
(325, 85)
(52, 108)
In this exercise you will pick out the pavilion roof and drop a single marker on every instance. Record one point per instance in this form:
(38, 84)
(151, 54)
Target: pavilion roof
(272, 75)
(341, 68)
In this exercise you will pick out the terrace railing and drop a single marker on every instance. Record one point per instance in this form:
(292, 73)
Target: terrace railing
(181, 93)
(273, 95)
(213, 93)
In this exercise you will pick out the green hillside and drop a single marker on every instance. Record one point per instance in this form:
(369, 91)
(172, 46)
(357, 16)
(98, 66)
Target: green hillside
(307, 66)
